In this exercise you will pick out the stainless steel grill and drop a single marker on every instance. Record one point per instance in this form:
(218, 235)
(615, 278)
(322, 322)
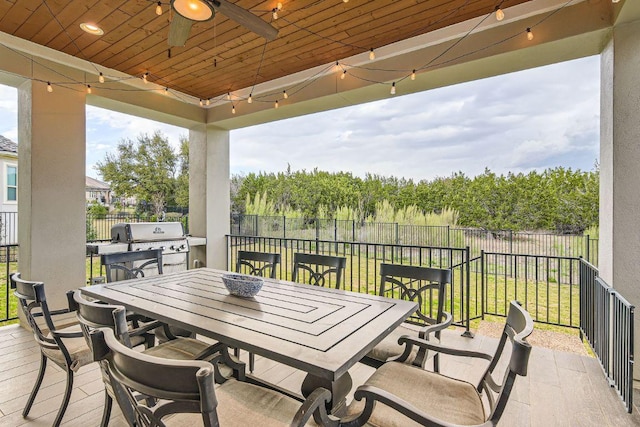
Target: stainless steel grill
(168, 236)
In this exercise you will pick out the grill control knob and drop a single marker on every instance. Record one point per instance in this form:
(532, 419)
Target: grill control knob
(183, 246)
(137, 249)
(172, 247)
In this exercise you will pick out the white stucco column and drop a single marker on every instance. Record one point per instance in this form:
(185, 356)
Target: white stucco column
(619, 256)
(209, 193)
(51, 188)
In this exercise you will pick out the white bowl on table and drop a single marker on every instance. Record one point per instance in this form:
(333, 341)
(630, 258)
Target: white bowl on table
(242, 285)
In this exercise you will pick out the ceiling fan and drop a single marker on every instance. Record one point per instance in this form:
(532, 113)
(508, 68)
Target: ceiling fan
(187, 12)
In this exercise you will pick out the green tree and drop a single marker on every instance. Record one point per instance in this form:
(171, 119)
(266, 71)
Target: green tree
(145, 168)
(182, 182)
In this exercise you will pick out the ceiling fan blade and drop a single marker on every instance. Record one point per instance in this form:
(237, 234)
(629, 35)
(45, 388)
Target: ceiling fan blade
(179, 30)
(246, 19)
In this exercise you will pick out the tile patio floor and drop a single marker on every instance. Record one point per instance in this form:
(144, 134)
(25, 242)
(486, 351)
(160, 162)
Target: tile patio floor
(562, 389)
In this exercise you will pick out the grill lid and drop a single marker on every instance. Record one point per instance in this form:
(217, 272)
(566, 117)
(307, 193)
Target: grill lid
(146, 231)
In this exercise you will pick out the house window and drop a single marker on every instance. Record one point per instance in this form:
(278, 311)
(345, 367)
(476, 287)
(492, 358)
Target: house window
(12, 183)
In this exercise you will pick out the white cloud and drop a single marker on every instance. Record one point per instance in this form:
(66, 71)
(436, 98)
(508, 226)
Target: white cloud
(534, 119)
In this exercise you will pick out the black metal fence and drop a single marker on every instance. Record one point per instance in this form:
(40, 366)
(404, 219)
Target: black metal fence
(8, 263)
(8, 228)
(99, 226)
(497, 241)
(363, 263)
(548, 287)
(606, 321)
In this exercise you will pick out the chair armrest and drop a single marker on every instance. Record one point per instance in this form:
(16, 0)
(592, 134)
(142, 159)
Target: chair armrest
(65, 334)
(424, 332)
(429, 345)
(315, 405)
(372, 394)
(146, 327)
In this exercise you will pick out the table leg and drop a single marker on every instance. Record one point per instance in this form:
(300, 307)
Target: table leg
(339, 389)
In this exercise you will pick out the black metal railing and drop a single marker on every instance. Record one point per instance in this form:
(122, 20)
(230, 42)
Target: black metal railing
(363, 264)
(8, 265)
(546, 286)
(606, 322)
(497, 241)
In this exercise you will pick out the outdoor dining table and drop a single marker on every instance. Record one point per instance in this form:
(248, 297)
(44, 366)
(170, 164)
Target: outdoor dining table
(320, 331)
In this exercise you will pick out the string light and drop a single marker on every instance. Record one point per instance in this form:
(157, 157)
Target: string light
(101, 78)
(275, 13)
(208, 101)
(276, 104)
(233, 109)
(201, 102)
(284, 94)
(159, 9)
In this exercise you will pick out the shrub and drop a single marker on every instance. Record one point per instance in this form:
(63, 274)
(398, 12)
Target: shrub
(97, 211)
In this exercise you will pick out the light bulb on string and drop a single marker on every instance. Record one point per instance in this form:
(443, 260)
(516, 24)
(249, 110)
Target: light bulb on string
(159, 9)
(285, 95)
(275, 13)
(49, 87)
(279, 6)
(201, 102)
(144, 78)
(101, 78)
(88, 88)
(499, 14)
(208, 101)
(393, 89)
(166, 91)
(250, 100)
(372, 55)
(228, 96)
(413, 75)
(233, 109)
(343, 75)
(529, 34)
(276, 105)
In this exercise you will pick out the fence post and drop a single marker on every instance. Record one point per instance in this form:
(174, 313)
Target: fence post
(353, 230)
(448, 235)
(467, 333)
(587, 248)
(284, 227)
(256, 227)
(397, 233)
(482, 284)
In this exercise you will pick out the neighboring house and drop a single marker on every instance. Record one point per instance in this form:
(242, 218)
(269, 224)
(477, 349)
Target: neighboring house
(97, 191)
(9, 185)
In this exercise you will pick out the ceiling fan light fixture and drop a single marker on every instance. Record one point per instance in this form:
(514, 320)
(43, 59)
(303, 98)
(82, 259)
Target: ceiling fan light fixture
(195, 10)
(90, 28)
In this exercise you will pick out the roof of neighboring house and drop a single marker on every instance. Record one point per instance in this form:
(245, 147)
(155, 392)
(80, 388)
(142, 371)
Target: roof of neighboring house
(8, 145)
(94, 184)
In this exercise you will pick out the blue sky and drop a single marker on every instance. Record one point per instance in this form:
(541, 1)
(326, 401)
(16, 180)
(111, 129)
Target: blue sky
(533, 119)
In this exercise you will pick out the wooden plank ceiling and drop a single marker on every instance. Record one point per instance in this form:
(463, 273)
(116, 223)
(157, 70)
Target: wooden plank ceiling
(221, 56)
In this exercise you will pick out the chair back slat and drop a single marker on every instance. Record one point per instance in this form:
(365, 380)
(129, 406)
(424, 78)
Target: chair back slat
(418, 284)
(131, 264)
(257, 263)
(313, 272)
(518, 327)
(187, 385)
